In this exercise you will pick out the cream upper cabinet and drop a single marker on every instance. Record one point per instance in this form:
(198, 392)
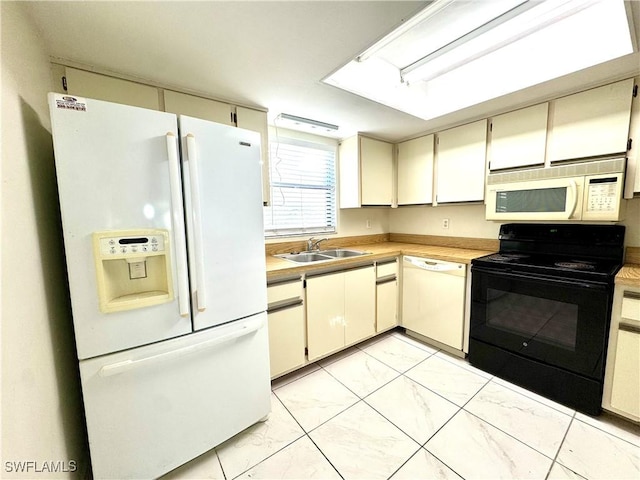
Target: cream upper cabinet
(376, 171)
(415, 171)
(366, 172)
(198, 107)
(460, 163)
(519, 138)
(633, 155)
(256, 120)
(110, 89)
(590, 123)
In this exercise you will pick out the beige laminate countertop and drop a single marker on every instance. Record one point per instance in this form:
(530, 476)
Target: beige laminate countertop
(278, 267)
(629, 275)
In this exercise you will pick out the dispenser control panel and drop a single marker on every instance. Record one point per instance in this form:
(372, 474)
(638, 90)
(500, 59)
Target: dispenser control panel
(132, 245)
(133, 268)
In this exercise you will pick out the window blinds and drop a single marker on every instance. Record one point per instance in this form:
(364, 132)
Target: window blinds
(303, 194)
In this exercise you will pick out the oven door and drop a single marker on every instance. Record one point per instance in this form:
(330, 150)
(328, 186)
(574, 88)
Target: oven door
(559, 322)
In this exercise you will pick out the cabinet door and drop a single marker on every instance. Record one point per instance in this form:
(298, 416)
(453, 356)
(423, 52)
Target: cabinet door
(460, 163)
(415, 171)
(256, 120)
(349, 168)
(625, 392)
(198, 107)
(376, 175)
(386, 305)
(519, 138)
(110, 89)
(590, 123)
(325, 314)
(286, 339)
(359, 304)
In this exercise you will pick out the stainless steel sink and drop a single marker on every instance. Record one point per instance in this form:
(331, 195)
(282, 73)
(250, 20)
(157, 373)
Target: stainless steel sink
(305, 257)
(342, 253)
(320, 256)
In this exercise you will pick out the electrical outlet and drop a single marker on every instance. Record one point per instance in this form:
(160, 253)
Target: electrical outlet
(445, 223)
(368, 223)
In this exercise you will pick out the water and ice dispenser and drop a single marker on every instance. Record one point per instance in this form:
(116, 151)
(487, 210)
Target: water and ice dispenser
(133, 268)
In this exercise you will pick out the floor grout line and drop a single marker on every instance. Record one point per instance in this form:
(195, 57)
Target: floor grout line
(421, 446)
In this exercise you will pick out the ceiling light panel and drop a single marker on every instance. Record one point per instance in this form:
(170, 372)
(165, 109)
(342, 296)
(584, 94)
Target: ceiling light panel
(441, 27)
(526, 44)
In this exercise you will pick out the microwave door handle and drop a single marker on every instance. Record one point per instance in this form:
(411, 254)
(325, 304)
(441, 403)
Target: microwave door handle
(573, 189)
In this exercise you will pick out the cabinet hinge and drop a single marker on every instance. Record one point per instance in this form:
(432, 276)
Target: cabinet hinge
(635, 90)
(234, 118)
(629, 142)
(306, 351)
(304, 283)
(491, 127)
(64, 83)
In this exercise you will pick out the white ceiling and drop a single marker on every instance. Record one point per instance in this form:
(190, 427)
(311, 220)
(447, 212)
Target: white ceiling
(267, 54)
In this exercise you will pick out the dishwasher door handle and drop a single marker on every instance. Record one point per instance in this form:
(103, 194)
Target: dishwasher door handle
(433, 266)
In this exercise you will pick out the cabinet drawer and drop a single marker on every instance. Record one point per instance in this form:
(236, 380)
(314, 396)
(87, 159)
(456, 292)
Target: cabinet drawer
(631, 306)
(386, 269)
(284, 291)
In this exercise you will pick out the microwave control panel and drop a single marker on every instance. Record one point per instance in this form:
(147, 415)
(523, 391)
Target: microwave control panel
(603, 197)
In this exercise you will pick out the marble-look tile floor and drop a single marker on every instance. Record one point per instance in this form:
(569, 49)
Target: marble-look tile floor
(395, 408)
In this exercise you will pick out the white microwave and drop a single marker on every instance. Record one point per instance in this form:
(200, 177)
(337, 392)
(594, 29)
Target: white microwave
(590, 191)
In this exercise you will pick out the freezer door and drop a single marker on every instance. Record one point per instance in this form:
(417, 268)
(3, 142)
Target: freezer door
(113, 170)
(156, 407)
(225, 232)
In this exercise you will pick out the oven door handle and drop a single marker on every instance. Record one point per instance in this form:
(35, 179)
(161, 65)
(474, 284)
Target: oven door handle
(545, 278)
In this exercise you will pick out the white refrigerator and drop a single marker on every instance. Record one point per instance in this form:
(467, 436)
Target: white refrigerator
(164, 243)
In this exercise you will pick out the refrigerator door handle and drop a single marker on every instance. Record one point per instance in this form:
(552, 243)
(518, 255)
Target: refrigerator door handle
(178, 222)
(192, 156)
(126, 365)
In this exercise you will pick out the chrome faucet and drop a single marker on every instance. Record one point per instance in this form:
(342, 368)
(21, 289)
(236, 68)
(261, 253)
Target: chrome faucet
(313, 244)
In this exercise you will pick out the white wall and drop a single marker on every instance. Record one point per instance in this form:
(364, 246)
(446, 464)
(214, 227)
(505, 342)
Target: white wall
(464, 221)
(42, 419)
(353, 221)
(468, 221)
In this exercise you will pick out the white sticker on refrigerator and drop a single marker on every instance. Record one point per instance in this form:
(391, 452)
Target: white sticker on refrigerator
(71, 103)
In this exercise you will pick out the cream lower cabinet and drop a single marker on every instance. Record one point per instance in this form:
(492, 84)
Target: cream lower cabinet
(287, 335)
(386, 295)
(340, 309)
(622, 378)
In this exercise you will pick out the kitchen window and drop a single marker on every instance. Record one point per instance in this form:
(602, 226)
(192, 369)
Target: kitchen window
(303, 187)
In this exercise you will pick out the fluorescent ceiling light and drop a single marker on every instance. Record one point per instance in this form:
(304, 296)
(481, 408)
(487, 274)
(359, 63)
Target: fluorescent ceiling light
(293, 122)
(455, 53)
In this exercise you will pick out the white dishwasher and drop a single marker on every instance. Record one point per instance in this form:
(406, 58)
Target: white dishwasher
(433, 299)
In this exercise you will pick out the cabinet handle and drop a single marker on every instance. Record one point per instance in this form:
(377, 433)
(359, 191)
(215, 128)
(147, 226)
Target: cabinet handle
(632, 295)
(629, 328)
(287, 304)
